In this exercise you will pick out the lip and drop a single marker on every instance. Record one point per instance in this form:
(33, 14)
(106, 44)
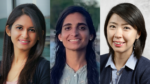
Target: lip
(24, 42)
(118, 43)
(74, 40)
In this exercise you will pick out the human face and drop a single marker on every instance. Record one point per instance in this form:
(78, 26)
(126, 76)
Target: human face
(22, 33)
(75, 33)
(120, 34)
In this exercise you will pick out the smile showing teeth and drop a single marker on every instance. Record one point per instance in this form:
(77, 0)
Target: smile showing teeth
(24, 41)
(75, 40)
(118, 42)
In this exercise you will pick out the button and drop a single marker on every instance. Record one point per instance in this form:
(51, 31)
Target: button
(117, 73)
(74, 75)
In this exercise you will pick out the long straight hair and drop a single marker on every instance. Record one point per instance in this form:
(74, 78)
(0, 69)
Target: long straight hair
(60, 61)
(35, 52)
(132, 15)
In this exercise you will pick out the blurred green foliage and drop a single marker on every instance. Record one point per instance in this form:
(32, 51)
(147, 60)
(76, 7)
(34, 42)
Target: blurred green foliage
(57, 6)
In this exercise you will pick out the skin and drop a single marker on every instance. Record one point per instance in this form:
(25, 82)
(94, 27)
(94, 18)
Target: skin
(75, 36)
(23, 37)
(121, 37)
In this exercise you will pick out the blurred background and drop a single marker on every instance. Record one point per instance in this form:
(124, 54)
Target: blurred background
(6, 6)
(57, 6)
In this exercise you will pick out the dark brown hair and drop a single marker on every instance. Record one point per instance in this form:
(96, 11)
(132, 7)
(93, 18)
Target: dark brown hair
(132, 15)
(35, 53)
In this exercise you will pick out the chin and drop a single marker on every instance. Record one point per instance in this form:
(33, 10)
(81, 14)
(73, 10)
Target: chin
(119, 51)
(76, 49)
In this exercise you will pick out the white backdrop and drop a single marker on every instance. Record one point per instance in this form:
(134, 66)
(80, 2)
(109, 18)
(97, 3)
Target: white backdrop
(106, 5)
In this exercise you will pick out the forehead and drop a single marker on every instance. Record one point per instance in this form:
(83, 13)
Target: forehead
(74, 18)
(24, 20)
(117, 19)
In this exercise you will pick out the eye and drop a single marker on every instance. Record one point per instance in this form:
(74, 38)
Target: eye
(32, 30)
(67, 28)
(19, 28)
(126, 28)
(82, 28)
(112, 26)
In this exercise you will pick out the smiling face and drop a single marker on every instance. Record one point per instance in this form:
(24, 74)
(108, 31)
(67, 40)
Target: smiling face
(75, 33)
(120, 34)
(22, 33)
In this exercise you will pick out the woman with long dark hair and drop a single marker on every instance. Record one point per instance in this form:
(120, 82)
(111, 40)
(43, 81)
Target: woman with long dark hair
(24, 41)
(126, 35)
(75, 61)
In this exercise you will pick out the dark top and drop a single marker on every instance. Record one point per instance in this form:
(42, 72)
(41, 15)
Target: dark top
(42, 73)
(141, 74)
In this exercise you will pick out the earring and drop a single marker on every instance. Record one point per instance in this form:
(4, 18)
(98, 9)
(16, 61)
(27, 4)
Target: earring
(61, 40)
(135, 44)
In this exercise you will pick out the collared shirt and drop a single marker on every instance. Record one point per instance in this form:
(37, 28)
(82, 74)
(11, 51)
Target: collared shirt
(131, 63)
(71, 77)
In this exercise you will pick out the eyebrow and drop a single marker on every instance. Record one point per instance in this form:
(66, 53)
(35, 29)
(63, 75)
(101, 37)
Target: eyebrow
(68, 24)
(122, 24)
(82, 24)
(22, 26)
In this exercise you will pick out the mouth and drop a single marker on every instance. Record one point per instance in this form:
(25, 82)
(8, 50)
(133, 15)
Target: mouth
(24, 42)
(118, 43)
(74, 40)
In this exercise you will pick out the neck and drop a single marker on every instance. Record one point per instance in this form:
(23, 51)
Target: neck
(121, 58)
(20, 56)
(75, 59)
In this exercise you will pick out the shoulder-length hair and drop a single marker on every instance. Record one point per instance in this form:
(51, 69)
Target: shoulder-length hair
(132, 15)
(35, 53)
(60, 61)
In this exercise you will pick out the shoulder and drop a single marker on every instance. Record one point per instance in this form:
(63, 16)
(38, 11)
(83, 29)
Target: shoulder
(143, 70)
(43, 62)
(143, 62)
(42, 72)
(43, 65)
(103, 59)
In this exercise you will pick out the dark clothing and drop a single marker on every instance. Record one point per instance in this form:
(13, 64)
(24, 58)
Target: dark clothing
(141, 74)
(42, 73)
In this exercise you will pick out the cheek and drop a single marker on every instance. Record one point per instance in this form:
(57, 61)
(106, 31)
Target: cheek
(34, 36)
(64, 35)
(85, 35)
(15, 34)
(130, 37)
(110, 35)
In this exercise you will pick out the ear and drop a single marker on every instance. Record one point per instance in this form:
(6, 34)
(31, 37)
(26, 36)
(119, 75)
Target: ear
(59, 37)
(91, 37)
(8, 30)
(138, 35)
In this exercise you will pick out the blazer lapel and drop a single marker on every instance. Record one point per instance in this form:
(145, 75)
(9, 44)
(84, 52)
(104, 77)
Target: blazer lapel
(105, 77)
(126, 77)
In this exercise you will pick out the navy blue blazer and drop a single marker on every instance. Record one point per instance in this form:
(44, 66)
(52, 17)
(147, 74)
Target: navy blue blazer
(141, 74)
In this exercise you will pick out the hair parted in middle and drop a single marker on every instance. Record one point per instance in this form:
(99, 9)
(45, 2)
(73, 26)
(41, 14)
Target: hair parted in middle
(60, 61)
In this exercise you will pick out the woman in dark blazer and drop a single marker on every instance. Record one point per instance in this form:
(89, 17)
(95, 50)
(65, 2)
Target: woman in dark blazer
(126, 35)
(24, 41)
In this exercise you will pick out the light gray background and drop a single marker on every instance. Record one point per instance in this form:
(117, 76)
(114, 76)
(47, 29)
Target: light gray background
(106, 5)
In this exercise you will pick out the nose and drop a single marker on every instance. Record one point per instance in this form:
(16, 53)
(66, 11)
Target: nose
(25, 34)
(74, 32)
(118, 33)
